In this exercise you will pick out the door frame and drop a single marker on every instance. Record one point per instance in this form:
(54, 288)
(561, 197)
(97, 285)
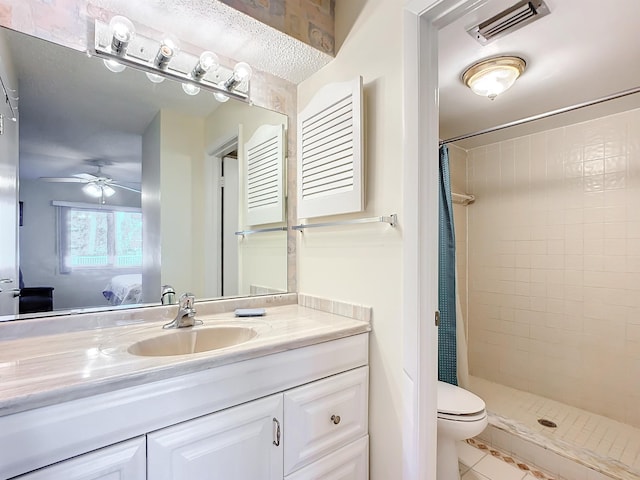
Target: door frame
(422, 20)
(215, 153)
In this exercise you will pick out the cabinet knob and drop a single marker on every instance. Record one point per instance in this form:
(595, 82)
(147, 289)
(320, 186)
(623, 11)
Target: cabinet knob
(335, 419)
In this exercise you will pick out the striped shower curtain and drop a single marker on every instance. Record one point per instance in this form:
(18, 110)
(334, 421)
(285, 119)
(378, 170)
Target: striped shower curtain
(447, 365)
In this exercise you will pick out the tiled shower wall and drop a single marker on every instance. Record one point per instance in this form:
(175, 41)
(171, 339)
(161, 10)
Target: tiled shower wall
(554, 264)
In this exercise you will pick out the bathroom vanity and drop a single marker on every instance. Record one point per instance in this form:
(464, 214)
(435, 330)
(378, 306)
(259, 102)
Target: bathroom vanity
(290, 403)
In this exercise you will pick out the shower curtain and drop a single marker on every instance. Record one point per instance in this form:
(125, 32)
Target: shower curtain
(452, 349)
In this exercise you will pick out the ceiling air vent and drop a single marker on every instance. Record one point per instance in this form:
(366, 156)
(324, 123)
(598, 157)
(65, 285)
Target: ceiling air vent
(509, 20)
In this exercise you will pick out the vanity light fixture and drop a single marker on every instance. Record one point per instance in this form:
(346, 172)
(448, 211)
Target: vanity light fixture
(190, 89)
(122, 32)
(221, 97)
(207, 61)
(241, 72)
(114, 66)
(493, 76)
(169, 48)
(154, 78)
(118, 44)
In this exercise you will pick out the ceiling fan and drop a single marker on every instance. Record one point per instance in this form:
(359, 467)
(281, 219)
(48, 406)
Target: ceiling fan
(98, 186)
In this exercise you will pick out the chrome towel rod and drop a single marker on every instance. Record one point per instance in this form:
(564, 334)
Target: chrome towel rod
(390, 219)
(262, 230)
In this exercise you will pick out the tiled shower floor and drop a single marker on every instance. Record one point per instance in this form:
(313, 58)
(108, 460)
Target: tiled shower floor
(603, 444)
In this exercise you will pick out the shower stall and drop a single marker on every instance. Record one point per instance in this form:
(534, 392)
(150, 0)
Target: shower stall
(548, 259)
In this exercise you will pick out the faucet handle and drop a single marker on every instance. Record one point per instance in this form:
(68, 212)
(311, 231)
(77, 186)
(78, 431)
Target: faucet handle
(187, 300)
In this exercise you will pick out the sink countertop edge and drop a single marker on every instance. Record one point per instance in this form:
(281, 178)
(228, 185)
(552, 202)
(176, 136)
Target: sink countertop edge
(24, 386)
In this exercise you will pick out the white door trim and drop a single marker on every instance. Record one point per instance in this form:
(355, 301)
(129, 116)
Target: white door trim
(422, 21)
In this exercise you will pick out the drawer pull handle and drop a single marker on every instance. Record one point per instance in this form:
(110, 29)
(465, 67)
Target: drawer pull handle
(276, 442)
(335, 419)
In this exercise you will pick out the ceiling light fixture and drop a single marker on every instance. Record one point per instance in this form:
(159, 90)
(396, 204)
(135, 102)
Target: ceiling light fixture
(118, 44)
(493, 76)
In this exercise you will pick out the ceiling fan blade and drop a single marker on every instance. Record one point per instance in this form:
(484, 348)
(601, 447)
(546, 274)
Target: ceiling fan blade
(85, 176)
(124, 188)
(63, 179)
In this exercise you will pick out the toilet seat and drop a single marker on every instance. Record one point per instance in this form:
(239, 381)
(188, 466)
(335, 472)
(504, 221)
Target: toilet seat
(458, 404)
(472, 417)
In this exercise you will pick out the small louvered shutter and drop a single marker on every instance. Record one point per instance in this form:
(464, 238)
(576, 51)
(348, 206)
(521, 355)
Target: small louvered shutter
(330, 142)
(264, 179)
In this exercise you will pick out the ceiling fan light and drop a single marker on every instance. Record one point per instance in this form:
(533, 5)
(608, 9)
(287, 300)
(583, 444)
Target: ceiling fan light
(107, 190)
(93, 190)
(493, 76)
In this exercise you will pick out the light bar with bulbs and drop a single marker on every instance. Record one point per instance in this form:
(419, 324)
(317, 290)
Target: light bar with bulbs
(120, 46)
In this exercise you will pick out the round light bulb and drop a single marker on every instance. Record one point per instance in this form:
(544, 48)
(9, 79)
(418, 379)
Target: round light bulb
(208, 60)
(242, 71)
(114, 66)
(155, 78)
(190, 89)
(221, 97)
(171, 46)
(122, 28)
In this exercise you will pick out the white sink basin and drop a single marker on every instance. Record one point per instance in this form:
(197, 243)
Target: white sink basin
(187, 341)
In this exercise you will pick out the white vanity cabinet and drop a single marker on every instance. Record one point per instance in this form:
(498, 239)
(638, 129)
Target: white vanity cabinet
(298, 414)
(243, 442)
(324, 416)
(270, 438)
(123, 461)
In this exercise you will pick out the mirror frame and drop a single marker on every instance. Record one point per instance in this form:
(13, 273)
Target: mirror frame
(267, 91)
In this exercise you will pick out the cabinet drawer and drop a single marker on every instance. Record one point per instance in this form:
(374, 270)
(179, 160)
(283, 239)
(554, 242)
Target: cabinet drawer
(348, 463)
(323, 416)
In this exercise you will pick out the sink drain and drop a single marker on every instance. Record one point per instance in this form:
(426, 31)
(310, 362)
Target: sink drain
(547, 423)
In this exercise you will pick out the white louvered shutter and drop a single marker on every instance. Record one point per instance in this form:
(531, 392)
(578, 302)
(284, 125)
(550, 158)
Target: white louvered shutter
(330, 142)
(264, 179)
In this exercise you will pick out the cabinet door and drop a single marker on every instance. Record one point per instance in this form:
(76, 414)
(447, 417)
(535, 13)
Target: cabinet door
(123, 461)
(323, 416)
(348, 463)
(240, 443)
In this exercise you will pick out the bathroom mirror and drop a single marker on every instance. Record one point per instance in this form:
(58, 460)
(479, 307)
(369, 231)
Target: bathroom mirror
(167, 216)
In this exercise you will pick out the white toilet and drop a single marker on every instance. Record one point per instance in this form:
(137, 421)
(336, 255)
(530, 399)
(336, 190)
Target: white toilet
(461, 415)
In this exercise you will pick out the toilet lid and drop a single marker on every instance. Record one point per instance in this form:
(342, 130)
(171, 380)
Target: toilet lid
(458, 401)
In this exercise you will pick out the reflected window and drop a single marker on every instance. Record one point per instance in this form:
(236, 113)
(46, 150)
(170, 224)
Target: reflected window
(106, 238)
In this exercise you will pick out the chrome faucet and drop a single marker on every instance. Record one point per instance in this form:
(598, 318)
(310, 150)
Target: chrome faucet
(186, 312)
(168, 296)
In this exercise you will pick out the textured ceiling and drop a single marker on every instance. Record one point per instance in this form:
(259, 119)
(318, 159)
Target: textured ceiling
(581, 51)
(215, 26)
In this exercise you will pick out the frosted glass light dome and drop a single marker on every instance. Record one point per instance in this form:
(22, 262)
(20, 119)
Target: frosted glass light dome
(491, 77)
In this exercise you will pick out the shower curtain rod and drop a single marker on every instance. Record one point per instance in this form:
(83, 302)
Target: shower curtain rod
(540, 116)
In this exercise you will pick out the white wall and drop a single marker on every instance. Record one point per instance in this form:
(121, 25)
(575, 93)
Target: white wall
(362, 263)
(39, 258)
(182, 205)
(554, 264)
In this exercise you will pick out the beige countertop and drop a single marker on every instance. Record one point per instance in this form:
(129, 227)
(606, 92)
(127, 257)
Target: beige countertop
(45, 370)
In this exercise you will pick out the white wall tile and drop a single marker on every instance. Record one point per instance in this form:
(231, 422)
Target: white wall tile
(563, 255)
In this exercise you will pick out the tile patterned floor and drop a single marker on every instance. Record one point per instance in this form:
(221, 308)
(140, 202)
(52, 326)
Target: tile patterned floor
(605, 444)
(479, 462)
